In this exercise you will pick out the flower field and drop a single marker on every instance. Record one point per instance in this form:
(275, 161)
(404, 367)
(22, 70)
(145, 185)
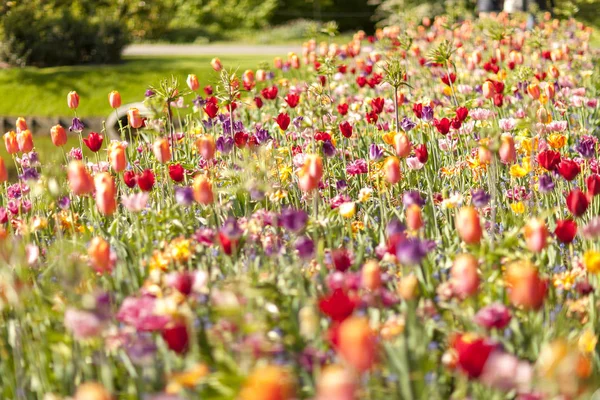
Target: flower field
(413, 215)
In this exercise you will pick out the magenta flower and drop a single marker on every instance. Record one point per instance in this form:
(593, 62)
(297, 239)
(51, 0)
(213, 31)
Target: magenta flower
(357, 167)
(493, 316)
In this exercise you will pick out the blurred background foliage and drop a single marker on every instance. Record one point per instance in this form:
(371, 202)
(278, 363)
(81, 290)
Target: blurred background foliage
(67, 32)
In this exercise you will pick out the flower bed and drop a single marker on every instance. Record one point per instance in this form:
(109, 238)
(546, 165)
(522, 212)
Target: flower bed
(412, 215)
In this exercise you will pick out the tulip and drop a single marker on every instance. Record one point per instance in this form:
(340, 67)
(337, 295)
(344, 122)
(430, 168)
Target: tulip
(534, 91)
(80, 180)
(402, 144)
(3, 171)
(105, 193)
(421, 153)
(336, 383)
(468, 225)
(463, 275)
(507, 150)
(371, 275)
(391, 168)
(162, 150)
(206, 147)
(177, 172)
(117, 157)
(215, 63)
(192, 82)
(565, 230)
(472, 353)
(577, 202)
(357, 344)
(527, 289)
(591, 261)
(549, 159)
(278, 62)
(91, 391)
(134, 118)
(295, 61)
(146, 180)
(543, 116)
(346, 129)
(593, 184)
(58, 135)
(203, 192)
(536, 234)
(414, 218)
(408, 287)
(130, 179)
(114, 99)
(21, 124)
(488, 89)
(25, 141)
(268, 383)
(73, 100)
(283, 120)
(261, 75)
(568, 169)
(99, 255)
(94, 141)
(10, 142)
(176, 335)
(484, 155)
(311, 172)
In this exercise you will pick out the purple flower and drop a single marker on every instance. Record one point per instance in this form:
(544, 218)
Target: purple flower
(305, 247)
(231, 229)
(394, 227)
(199, 101)
(493, 316)
(149, 93)
(480, 198)
(64, 203)
(184, 195)
(546, 184)
(375, 152)
(341, 185)
(357, 167)
(328, 149)
(586, 147)
(29, 174)
(294, 220)
(411, 251)
(270, 75)
(141, 349)
(407, 124)
(297, 121)
(76, 153)
(427, 114)
(76, 125)
(224, 144)
(262, 135)
(412, 197)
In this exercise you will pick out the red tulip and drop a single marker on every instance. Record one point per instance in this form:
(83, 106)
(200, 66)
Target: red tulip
(357, 344)
(176, 336)
(146, 180)
(418, 110)
(549, 159)
(258, 101)
(211, 109)
(130, 179)
(568, 169)
(565, 230)
(346, 129)
(447, 78)
(536, 234)
(176, 172)
(377, 105)
(341, 259)
(498, 99)
(343, 108)
(473, 353)
(577, 202)
(442, 125)
(94, 141)
(292, 99)
(593, 184)
(283, 120)
(240, 139)
(462, 113)
(421, 153)
(338, 305)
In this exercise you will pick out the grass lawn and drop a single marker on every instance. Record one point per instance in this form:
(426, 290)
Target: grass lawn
(43, 92)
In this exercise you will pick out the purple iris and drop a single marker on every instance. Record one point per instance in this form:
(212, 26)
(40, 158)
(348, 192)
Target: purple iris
(64, 203)
(231, 229)
(262, 135)
(375, 152)
(224, 144)
(394, 227)
(305, 247)
(294, 220)
(546, 183)
(199, 101)
(184, 195)
(427, 114)
(29, 174)
(411, 197)
(586, 147)
(480, 198)
(341, 185)
(328, 149)
(149, 93)
(412, 251)
(76, 125)
(407, 124)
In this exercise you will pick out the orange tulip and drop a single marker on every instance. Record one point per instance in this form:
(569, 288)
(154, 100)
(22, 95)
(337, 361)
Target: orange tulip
(134, 118)
(92, 391)
(268, 383)
(10, 142)
(261, 75)
(336, 383)
(58, 135)
(21, 124)
(464, 277)
(295, 61)
(536, 235)
(507, 151)
(402, 144)
(357, 344)
(391, 168)
(114, 99)
(73, 100)
(206, 147)
(202, 188)
(554, 72)
(278, 62)
(3, 171)
(99, 255)
(105, 193)
(484, 154)
(468, 225)
(371, 275)
(488, 89)
(162, 150)
(80, 180)
(25, 141)
(216, 64)
(117, 157)
(414, 218)
(527, 289)
(311, 172)
(192, 82)
(534, 91)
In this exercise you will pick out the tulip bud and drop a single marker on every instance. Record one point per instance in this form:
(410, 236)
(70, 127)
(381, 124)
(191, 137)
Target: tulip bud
(73, 100)
(25, 141)
(99, 255)
(10, 142)
(357, 344)
(488, 89)
(408, 287)
(3, 171)
(543, 116)
(414, 219)
(468, 225)
(295, 61)
(21, 124)
(526, 287)
(58, 135)
(202, 188)
(336, 383)
(261, 75)
(507, 151)
(114, 99)
(215, 63)
(192, 82)
(391, 168)
(534, 91)
(484, 154)
(554, 72)
(278, 62)
(116, 157)
(105, 193)
(206, 147)
(402, 145)
(162, 150)
(464, 277)
(134, 118)
(80, 180)
(91, 391)
(536, 234)
(176, 335)
(311, 172)
(371, 275)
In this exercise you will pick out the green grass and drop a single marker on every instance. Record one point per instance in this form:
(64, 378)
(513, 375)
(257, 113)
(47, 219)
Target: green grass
(43, 92)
